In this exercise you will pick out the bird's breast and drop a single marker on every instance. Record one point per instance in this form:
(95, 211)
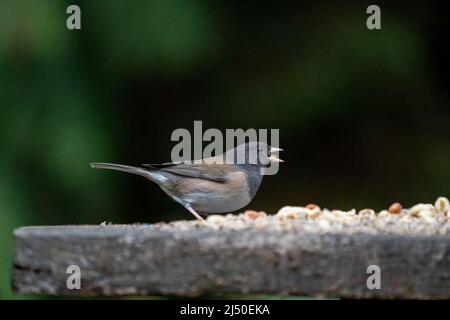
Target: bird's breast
(206, 196)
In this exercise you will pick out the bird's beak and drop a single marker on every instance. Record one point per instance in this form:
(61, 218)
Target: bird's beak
(273, 157)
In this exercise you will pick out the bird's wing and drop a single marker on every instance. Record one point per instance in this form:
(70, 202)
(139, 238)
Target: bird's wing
(159, 165)
(214, 172)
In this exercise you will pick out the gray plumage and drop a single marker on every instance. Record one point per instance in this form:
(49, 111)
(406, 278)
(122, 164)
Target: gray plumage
(222, 184)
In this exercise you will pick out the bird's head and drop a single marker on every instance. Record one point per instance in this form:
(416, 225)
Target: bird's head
(254, 153)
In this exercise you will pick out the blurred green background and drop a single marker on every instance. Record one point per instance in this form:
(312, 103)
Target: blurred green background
(363, 115)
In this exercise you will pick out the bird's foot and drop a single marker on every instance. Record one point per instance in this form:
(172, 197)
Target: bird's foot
(195, 214)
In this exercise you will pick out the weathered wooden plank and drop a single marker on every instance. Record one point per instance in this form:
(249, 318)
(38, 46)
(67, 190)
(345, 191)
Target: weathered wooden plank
(190, 259)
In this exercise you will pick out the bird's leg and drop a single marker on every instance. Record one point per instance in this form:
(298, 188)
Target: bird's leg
(195, 213)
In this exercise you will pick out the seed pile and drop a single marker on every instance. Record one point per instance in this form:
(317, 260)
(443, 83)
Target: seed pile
(421, 219)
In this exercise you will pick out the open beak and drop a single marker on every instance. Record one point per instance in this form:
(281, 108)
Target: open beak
(274, 158)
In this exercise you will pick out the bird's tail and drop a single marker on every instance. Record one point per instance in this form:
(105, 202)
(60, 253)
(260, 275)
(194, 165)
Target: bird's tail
(120, 167)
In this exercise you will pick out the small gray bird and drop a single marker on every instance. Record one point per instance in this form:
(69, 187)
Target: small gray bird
(220, 184)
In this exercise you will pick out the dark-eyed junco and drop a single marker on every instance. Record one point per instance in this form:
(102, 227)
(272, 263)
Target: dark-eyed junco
(221, 184)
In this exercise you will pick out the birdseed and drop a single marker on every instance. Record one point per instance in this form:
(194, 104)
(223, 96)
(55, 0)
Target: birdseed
(420, 219)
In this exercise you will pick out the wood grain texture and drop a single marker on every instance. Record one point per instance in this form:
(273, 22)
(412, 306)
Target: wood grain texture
(150, 260)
